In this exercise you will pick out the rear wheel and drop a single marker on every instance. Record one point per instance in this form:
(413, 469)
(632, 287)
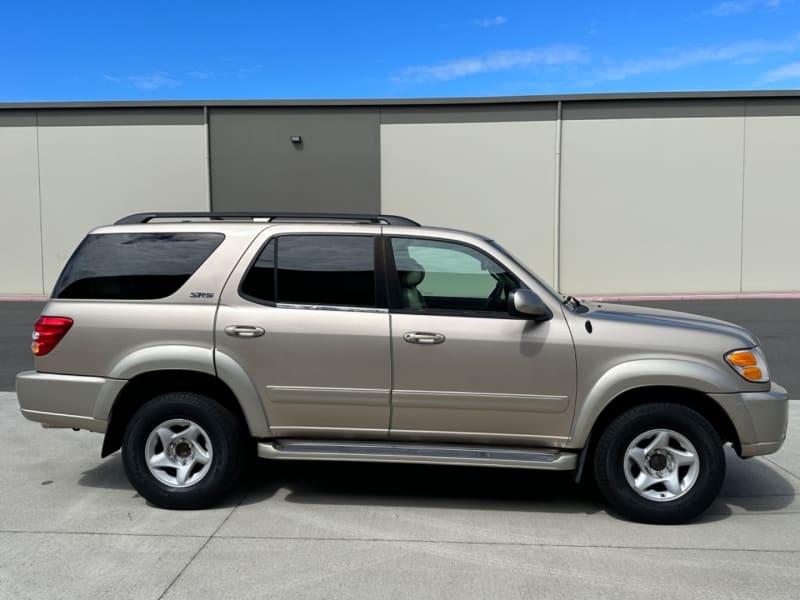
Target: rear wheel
(183, 450)
(659, 463)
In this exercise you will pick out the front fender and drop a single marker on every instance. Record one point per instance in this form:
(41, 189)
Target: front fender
(656, 372)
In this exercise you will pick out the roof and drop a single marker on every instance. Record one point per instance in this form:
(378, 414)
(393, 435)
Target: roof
(402, 102)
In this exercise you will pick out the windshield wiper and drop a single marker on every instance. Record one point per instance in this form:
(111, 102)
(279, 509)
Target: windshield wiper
(571, 302)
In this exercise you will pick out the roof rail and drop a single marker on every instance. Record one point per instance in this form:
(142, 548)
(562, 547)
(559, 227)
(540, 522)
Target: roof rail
(243, 216)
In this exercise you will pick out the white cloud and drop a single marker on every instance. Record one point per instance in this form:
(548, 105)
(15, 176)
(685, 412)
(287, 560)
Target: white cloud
(156, 81)
(501, 60)
(745, 52)
(735, 7)
(491, 21)
(200, 74)
(790, 71)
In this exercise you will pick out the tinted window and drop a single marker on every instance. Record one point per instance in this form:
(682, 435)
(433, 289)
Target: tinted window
(259, 283)
(444, 276)
(333, 270)
(134, 266)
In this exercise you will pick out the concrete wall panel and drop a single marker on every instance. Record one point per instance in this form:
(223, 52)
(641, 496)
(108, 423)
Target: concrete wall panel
(651, 205)
(771, 206)
(94, 174)
(20, 240)
(496, 179)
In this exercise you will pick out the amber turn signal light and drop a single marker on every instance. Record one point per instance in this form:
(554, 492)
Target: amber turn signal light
(750, 364)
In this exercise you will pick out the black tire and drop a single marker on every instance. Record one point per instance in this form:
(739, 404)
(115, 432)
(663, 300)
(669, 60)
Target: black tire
(655, 503)
(220, 443)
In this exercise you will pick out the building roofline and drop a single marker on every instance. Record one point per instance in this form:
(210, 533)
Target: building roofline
(404, 102)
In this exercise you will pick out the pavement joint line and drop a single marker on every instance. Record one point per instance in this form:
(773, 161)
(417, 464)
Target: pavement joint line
(497, 544)
(791, 495)
(102, 533)
(751, 513)
(202, 547)
(395, 541)
(784, 469)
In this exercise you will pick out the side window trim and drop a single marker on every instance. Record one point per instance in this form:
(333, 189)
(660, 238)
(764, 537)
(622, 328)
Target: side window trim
(378, 262)
(393, 282)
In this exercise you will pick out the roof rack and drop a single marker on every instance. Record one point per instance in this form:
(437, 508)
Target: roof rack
(272, 216)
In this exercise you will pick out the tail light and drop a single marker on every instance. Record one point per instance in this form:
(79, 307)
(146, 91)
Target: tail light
(47, 332)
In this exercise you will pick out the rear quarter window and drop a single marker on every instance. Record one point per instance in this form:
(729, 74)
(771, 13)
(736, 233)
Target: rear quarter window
(134, 266)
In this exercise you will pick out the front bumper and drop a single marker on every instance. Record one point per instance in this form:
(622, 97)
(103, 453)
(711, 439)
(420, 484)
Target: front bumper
(67, 400)
(760, 419)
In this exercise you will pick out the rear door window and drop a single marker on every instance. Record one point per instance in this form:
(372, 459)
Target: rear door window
(134, 266)
(325, 270)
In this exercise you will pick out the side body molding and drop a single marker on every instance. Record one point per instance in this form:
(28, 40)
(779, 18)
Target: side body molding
(655, 372)
(234, 376)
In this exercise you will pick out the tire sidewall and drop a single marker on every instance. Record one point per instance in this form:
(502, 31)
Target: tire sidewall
(217, 424)
(610, 463)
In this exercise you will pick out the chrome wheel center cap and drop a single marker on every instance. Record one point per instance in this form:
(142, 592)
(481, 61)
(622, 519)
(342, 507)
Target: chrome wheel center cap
(181, 450)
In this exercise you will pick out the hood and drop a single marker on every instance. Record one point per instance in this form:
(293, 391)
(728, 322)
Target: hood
(674, 320)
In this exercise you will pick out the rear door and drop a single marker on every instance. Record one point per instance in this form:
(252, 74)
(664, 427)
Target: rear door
(305, 315)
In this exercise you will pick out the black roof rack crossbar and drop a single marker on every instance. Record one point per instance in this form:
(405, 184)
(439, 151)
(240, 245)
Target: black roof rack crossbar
(222, 216)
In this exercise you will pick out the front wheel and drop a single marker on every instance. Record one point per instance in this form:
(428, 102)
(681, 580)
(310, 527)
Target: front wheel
(183, 450)
(659, 463)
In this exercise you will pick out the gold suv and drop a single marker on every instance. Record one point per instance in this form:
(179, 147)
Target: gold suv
(192, 340)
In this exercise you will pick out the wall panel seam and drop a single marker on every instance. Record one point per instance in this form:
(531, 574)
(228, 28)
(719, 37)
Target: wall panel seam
(742, 199)
(39, 197)
(207, 132)
(557, 199)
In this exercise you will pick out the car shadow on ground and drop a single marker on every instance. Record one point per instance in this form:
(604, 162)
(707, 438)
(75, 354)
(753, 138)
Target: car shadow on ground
(752, 486)
(423, 486)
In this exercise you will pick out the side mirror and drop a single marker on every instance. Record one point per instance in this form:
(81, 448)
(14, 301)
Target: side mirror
(525, 303)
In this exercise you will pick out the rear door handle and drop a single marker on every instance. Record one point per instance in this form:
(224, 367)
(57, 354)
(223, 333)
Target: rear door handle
(247, 331)
(423, 337)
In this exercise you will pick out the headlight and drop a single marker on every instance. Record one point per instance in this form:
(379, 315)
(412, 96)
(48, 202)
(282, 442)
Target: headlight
(750, 364)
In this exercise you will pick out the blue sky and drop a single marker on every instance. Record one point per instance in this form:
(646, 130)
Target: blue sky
(183, 49)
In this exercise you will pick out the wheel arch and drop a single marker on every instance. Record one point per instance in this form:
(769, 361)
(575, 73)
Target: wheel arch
(684, 396)
(148, 385)
(691, 398)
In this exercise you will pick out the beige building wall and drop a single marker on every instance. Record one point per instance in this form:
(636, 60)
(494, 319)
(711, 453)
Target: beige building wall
(651, 205)
(497, 179)
(20, 239)
(656, 196)
(771, 250)
(96, 167)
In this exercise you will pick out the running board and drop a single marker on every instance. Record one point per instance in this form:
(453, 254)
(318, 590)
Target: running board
(444, 454)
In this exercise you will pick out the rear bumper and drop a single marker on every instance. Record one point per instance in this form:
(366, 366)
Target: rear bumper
(760, 418)
(67, 400)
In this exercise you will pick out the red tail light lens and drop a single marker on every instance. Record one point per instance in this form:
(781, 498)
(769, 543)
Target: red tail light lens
(47, 332)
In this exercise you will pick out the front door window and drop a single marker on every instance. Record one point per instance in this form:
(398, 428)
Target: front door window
(437, 277)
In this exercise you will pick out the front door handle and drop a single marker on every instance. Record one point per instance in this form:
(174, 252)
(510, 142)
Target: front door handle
(247, 331)
(423, 337)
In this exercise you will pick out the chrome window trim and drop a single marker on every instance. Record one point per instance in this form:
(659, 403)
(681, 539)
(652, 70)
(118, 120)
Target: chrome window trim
(359, 309)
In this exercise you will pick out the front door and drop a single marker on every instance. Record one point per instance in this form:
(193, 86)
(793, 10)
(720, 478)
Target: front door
(308, 327)
(465, 370)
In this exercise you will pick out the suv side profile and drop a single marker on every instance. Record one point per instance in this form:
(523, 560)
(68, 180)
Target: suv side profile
(194, 340)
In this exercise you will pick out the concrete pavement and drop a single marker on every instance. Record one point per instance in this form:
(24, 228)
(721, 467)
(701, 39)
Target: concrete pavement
(72, 527)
